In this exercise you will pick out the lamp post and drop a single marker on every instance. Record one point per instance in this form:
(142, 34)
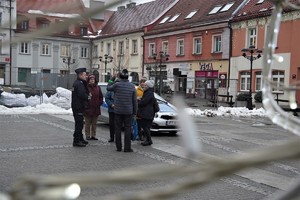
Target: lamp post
(163, 57)
(107, 59)
(251, 54)
(69, 62)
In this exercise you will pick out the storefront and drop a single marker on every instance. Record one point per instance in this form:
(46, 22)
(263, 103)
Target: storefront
(207, 83)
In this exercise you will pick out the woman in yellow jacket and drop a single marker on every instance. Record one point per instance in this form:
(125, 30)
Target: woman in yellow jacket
(139, 95)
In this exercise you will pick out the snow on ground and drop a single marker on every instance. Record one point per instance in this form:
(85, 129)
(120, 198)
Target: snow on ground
(60, 103)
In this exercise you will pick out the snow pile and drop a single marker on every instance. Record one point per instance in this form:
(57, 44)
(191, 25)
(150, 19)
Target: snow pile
(227, 112)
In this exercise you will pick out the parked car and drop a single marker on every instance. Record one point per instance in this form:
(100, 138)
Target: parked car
(164, 121)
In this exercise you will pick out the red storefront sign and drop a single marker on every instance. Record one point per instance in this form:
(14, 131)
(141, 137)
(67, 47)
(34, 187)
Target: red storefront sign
(207, 74)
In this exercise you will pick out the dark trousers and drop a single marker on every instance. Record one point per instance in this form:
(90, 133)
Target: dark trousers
(112, 125)
(140, 132)
(78, 118)
(119, 121)
(146, 125)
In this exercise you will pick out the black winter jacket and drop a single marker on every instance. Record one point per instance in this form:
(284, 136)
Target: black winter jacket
(80, 95)
(145, 105)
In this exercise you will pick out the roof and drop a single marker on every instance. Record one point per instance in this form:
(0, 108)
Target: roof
(202, 17)
(134, 18)
(53, 6)
(257, 8)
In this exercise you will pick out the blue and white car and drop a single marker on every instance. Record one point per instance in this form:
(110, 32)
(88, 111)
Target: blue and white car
(164, 121)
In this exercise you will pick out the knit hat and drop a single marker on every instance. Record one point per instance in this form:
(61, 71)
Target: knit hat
(150, 83)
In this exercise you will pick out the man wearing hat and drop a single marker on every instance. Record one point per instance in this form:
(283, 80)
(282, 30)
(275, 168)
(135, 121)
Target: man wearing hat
(80, 97)
(125, 106)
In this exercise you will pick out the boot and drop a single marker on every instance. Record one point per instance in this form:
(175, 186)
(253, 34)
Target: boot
(78, 144)
(147, 143)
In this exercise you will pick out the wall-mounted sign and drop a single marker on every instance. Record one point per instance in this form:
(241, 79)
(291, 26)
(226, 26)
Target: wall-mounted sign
(206, 66)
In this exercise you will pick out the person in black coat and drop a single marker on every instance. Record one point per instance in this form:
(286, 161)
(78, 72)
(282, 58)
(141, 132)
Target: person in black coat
(146, 111)
(80, 97)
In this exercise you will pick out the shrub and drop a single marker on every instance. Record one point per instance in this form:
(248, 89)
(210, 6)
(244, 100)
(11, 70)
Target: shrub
(243, 96)
(258, 97)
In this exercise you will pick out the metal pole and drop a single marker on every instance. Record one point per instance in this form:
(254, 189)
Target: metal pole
(160, 80)
(10, 47)
(250, 88)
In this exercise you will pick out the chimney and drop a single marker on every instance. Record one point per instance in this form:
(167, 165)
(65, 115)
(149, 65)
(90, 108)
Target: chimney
(121, 8)
(130, 5)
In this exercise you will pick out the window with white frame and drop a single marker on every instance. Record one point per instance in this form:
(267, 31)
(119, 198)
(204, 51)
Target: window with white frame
(46, 48)
(121, 48)
(65, 50)
(174, 17)
(252, 36)
(165, 47)
(134, 46)
(108, 48)
(191, 14)
(197, 45)
(180, 47)
(152, 49)
(245, 81)
(24, 48)
(278, 79)
(258, 81)
(24, 25)
(217, 43)
(84, 52)
(164, 19)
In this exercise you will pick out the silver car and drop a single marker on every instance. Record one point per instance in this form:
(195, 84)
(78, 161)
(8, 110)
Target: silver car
(164, 121)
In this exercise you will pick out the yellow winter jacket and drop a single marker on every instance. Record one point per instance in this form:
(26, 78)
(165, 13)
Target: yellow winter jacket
(139, 92)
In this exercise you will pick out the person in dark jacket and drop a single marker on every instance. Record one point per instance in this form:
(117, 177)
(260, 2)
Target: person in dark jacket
(109, 99)
(93, 111)
(146, 111)
(80, 97)
(125, 107)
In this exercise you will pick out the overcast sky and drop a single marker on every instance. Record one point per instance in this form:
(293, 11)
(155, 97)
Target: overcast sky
(124, 2)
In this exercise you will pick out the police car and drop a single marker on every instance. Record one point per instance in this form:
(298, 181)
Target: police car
(164, 121)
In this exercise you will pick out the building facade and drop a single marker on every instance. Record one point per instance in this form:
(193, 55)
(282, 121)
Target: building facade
(250, 27)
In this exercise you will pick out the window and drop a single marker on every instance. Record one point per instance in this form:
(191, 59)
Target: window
(174, 17)
(191, 14)
(165, 47)
(46, 71)
(95, 51)
(134, 47)
(65, 50)
(217, 43)
(227, 7)
(245, 81)
(258, 81)
(164, 20)
(44, 25)
(64, 72)
(1, 46)
(22, 74)
(197, 45)
(121, 48)
(24, 25)
(83, 31)
(152, 50)
(108, 49)
(278, 78)
(215, 10)
(45, 49)
(24, 48)
(180, 47)
(84, 52)
(252, 37)
(1, 18)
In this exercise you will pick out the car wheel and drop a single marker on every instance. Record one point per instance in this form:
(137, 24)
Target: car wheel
(173, 132)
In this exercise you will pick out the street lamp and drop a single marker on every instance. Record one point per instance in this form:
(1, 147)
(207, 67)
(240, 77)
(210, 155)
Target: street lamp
(69, 62)
(163, 57)
(107, 59)
(251, 56)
